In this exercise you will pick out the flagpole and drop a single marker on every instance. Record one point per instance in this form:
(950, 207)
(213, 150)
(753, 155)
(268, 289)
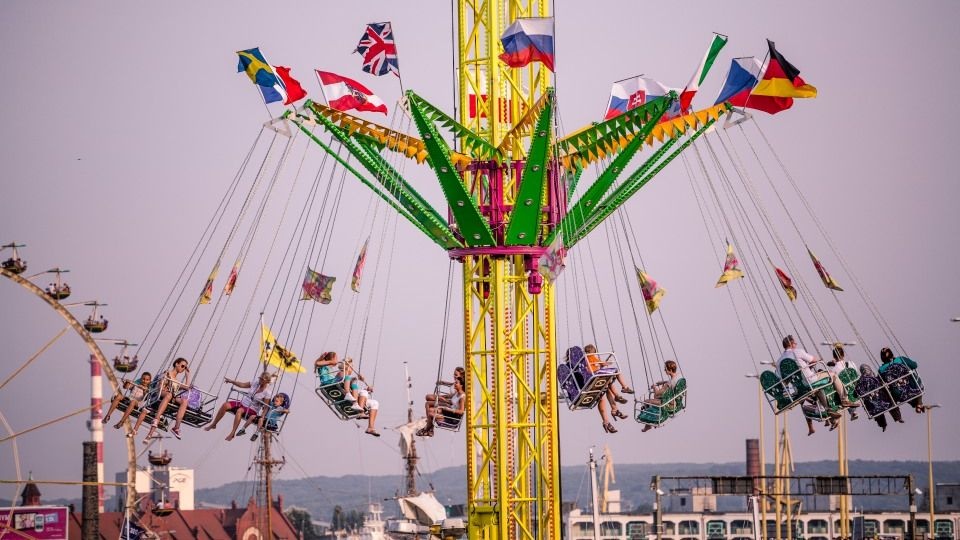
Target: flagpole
(759, 78)
(322, 93)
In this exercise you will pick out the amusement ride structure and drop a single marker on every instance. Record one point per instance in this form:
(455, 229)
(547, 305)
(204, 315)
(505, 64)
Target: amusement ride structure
(516, 208)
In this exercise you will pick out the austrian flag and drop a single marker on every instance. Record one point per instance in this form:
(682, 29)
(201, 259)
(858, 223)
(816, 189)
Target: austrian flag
(344, 94)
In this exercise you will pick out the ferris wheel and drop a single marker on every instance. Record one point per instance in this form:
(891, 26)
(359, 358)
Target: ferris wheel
(43, 395)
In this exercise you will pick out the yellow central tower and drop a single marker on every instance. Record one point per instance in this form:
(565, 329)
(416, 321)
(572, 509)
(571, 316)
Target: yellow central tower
(512, 430)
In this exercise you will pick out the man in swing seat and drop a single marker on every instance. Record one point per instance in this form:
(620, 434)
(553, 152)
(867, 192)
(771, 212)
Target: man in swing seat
(672, 370)
(806, 362)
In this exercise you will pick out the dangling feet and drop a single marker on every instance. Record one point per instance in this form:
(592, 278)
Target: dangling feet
(619, 399)
(117, 425)
(372, 432)
(626, 390)
(425, 431)
(646, 428)
(608, 427)
(617, 414)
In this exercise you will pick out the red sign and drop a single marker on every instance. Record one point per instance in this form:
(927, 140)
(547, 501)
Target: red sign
(40, 522)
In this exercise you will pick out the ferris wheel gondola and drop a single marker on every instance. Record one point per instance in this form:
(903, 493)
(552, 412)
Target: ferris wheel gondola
(94, 323)
(123, 362)
(15, 263)
(57, 289)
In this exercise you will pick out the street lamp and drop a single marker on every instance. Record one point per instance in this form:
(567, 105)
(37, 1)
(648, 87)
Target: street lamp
(929, 411)
(763, 464)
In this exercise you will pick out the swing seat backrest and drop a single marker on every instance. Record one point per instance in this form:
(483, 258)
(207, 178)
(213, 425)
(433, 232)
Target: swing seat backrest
(902, 382)
(567, 382)
(874, 396)
(790, 374)
(334, 397)
(679, 396)
(774, 389)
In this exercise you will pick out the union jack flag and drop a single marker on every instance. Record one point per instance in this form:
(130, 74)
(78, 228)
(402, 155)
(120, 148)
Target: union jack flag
(379, 50)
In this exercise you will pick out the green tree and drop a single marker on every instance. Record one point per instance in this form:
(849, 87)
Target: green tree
(302, 522)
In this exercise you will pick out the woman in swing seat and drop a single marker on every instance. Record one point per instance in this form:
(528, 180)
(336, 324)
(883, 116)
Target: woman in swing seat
(248, 405)
(450, 410)
(174, 386)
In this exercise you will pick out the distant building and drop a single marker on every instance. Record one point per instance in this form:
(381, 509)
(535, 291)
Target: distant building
(234, 523)
(947, 498)
(181, 482)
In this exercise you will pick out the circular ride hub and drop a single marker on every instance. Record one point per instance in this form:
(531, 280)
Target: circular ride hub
(508, 181)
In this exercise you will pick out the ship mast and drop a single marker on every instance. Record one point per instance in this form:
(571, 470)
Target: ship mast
(266, 463)
(411, 458)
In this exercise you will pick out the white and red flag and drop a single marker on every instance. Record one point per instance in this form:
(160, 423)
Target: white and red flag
(343, 94)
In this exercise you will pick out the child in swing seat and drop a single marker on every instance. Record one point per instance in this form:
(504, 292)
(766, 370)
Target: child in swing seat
(269, 417)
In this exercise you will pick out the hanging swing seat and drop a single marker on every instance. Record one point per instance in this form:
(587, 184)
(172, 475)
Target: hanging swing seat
(671, 401)
(336, 399)
(582, 386)
(874, 395)
(448, 420)
(816, 411)
(200, 407)
(792, 389)
(901, 378)
(15, 265)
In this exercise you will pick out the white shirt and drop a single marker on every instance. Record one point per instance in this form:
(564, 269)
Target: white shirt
(254, 397)
(805, 362)
(837, 367)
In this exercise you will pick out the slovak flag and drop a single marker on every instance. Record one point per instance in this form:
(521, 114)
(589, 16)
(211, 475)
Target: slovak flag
(344, 94)
(528, 40)
(631, 93)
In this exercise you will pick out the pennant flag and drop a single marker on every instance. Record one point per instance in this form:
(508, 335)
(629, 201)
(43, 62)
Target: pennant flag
(828, 280)
(344, 94)
(731, 268)
(273, 354)
(379, 50)
(207, 295)
(551, 263)
(232, 280)
(317, 286)
(261, 74)
(782, 79)
(786, 283)
(686, 97)
(358, 268)
(652, 293)
(631, 93)
(528, 40)
(294, 91)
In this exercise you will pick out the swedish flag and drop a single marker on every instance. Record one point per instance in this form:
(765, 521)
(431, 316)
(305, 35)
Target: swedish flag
(256, 67)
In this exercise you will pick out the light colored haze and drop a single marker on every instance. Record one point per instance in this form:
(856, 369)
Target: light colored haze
(124, 123)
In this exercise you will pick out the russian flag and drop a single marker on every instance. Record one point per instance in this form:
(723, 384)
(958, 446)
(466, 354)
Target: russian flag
(631, 93)
(528, 40)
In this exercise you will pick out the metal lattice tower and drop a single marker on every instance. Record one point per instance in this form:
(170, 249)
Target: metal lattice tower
(507, 179)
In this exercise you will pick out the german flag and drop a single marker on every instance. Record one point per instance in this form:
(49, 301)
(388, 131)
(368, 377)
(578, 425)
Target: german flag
(782, 79)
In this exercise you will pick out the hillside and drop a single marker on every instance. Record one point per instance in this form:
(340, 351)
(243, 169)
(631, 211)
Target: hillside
(318, 495)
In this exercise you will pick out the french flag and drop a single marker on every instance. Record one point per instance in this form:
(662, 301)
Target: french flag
(343, 94)
(631, 93)
(528, 40)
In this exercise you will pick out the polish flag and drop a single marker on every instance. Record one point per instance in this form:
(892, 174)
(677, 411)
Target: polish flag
(344, 94)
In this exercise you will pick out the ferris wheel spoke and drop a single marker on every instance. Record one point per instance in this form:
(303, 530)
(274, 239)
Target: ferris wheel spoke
(36, 355)
(47, 423)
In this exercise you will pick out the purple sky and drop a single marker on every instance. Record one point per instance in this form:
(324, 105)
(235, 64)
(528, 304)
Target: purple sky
(125, 124)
